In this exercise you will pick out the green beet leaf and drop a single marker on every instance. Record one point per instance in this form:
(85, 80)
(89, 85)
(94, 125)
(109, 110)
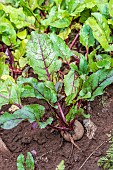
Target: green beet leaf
(20, 162)
(32, 113)
(57, 18)
(22, 34)
(72, 85)
(9, 92)
(7, 31)
(41, 56)
(86, 36)
(60, 47)
(44, 124)
(73, 112)
(58, 2)
(71, 5)
(65, 33)
(103, 23)
(103, 7)
(30, 164)
(82, 5)
(41, 90)
(111, 7)
(69, 82)
(96, 83)
(83, 66)
(98, 32)
(18, 17)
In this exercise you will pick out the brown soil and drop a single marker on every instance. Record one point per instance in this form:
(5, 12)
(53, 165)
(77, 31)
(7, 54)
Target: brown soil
(50, 146)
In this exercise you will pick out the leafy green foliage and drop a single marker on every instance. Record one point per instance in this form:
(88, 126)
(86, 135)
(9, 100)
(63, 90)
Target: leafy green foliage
(32, 112)
(20, 162)
(41, 90)
(28, 164)
(96, 83)
(42, 56)
(37, 34)
(106, 162)
(86, 36)
(9, 91)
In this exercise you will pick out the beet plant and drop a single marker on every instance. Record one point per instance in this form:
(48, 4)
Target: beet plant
(64, 81)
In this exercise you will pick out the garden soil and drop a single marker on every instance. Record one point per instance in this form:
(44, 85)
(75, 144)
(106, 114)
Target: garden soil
(49, 146)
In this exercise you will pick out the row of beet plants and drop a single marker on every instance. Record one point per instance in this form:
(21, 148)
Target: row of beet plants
(39, 35)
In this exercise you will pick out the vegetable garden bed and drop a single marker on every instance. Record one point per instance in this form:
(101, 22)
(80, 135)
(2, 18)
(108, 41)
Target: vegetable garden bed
(49, 146)
(56, 64)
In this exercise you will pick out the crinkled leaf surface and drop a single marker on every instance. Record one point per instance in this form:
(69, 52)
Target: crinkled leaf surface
(32, 113)
(41, 56)
(96, 83)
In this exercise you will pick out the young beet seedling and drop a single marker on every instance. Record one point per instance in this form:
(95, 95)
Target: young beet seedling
(64, 81)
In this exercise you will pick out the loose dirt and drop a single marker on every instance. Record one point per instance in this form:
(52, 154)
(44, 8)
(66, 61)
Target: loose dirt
(50, 146)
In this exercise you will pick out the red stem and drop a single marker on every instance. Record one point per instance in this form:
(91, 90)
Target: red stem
(47, 72)
(73, 42)
(62, 114)
(59, 128)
